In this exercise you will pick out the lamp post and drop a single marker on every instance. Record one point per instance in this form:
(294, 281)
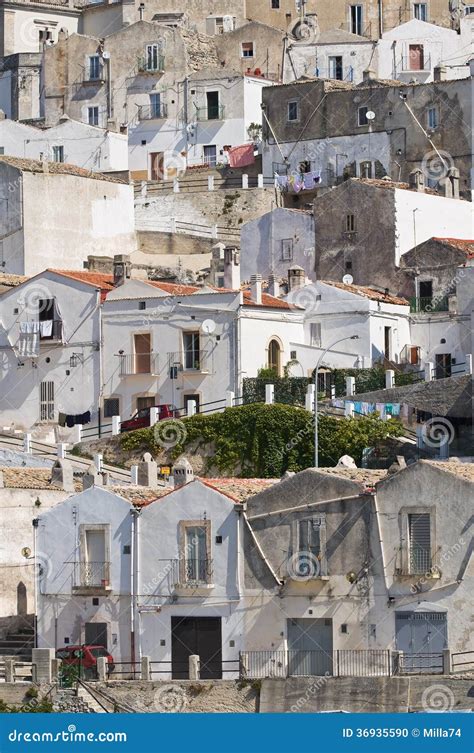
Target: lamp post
(316, 374)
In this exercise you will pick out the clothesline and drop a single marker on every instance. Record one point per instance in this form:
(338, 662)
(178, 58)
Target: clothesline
(296, 182)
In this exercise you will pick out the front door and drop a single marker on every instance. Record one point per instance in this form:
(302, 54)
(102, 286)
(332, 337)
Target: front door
(443, 365)
(196, 635)
(95, 634)
(309, 647)
(422, 636)
(157, 160)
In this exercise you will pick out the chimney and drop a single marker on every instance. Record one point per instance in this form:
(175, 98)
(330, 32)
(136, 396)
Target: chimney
(122, 269)
(182, 472)
(440, 73)
(141, 10)
(62, 475)
(273, 286)
(62, 34)
(416, 180)
(368, 75)
(256, 288)
(148, 472)
(296, 278)
(93, 477)
(453, 177)
(231, 268)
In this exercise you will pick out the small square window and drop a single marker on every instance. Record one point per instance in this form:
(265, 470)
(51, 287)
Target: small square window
(111, 407)
(275, 4)
(293, 355)
(231, 644)
(218, 539)
(66, 641)
(247, 49)
(143, 142)
(293, 111)
(95, 601)
(15, 311)
(344, 628)
(348, 266)
(362, 116)
(141, 305)
(127, 549)
(287, 249)
(433, 118)
(162, 642)
(350, 224)
(420, 11)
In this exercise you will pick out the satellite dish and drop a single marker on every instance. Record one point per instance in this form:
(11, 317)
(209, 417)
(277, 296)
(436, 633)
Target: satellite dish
(370, 115)
(106, 55)
(347, 279)
(208, 326)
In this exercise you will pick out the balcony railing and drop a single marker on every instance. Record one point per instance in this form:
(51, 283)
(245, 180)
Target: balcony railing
(95, 77)
(153, 65)
(51, 329)
(190, 360)
(428, 305)
(213, 112)
(133, 364)
(92, 575)
(185, 572)
(420, 562)
(152, 112)
(409, 63)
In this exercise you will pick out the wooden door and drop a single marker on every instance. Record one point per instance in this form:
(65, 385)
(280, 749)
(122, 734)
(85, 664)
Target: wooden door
(157, 160)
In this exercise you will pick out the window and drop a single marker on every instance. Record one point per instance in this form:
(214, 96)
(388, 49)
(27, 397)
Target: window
(420, 11)
(293, 111)
(95, 557)
(47, 401)
(94, 67)
(280, 168)
(356, 19)
(275, 4)
(315, 334)
(145, 402)
(287, 249)
(93, 116)
(247, 50)
(210, 155)
(419, 543)
(155, 105)
(310, 547)
(142, 353)
(433, 118)
(153, 58)
(191, 350)
(58, 153)
(416, 57)
(213, 107)
(335, 67)
(141, 305)
(366, 169)
(111, 407)
(274, 356)
(195, 545)
(362, 116)
(2, 150)
(195, 399)
(350, 223)
(469, 9)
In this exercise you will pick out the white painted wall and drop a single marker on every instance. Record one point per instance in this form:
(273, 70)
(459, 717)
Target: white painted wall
(313, 60)
(75, 392)
(27, 22)
(85, 146)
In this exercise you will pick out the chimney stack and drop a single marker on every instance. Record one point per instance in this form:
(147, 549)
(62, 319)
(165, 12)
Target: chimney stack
(256, 288)
(141, 10)
(296, 278)
(231, 268)
(440, 73)
(122, 269)
(416, 180)
(368, 75)
(182, 472)
(273, 286)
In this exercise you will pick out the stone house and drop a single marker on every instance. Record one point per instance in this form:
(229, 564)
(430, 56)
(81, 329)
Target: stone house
(253, 48)
(348, 241)
(20, 85)
(322, 125)
(40, 226)
(335, 54)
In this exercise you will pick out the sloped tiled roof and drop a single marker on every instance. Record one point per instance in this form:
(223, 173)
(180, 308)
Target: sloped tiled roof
(366, 292)
(466, 246)
(28, 478)
(56, 168)
(462, 470)
(12, 281)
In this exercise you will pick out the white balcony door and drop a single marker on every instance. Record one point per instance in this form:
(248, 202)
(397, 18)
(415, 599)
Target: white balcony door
(95, 547)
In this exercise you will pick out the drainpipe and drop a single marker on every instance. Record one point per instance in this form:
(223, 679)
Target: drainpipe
(239, 557)
(379, 531)
(101, 376)
(35, 586)
(186, 116)
(380, 18)
(135, 653)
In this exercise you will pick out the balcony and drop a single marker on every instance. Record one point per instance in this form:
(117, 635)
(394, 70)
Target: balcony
(134, 364)
(420, 562)
(214, 112)
(152, 112)
(192, 575)
(429, 305)
(97, 78)
(91, 576)
(410, 64)
(51, 330)
(153, 64)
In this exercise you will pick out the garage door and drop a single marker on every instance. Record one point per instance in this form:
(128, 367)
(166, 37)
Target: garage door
(422, 636)
(200, 636)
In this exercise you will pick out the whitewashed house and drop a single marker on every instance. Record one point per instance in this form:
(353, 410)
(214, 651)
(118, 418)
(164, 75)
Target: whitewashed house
(70, 141)
(336, 54)
(172, 344)
(335, 309)
(412, 51)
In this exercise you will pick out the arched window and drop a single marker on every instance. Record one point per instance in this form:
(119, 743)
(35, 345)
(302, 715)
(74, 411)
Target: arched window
(274, 356)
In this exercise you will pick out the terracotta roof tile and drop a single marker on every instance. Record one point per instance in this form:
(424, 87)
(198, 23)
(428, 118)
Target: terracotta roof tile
(28, 478)
(56, 168)
(467, 246)
(102, 281)
(12, 281)
(366, 292)
(462, 470)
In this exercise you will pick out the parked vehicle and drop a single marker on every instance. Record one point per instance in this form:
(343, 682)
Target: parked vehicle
(141, 419)
(84, 659)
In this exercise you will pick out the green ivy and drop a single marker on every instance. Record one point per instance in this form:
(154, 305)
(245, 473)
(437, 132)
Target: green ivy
(264, 441)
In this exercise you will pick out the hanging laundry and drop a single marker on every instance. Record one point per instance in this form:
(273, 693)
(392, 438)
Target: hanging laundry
(46, 328)
(311, 180)
(380, 407)
(241, 156)
(282, 182)
(29, 342)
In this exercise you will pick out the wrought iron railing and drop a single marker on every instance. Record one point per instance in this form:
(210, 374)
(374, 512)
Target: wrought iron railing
(212, 112)
(153, 65)
(301, 663)
(132, 364)
(189, 360)
(420, 562)
(92, 574)
(428, 305)
(409, 62)
(152, 112)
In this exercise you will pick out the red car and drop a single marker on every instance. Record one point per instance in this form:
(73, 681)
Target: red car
(141, 419)
(85, 657)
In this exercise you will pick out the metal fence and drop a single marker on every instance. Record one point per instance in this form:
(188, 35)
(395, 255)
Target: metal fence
(300, 663)
(420, 664)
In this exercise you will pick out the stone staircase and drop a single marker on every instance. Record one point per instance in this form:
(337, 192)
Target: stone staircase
(19, 644)
(70, 701)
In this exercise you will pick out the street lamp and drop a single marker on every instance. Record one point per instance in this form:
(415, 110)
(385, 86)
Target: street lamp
(316, 374)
